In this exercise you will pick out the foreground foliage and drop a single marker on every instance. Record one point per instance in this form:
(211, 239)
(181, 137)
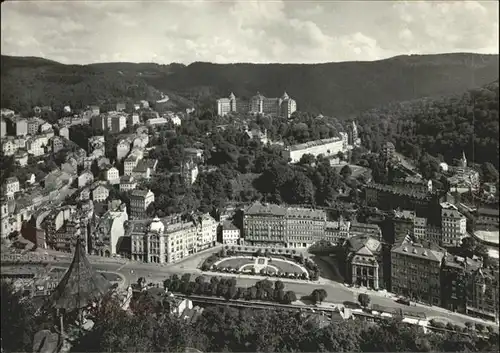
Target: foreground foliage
(221, 328)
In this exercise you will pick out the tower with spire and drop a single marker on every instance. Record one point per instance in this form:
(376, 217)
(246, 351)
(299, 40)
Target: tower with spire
(80, 287)
(463, 161)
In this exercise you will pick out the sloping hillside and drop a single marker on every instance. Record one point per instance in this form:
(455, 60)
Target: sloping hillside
(337, 89)
(27, 82)
(449, 125)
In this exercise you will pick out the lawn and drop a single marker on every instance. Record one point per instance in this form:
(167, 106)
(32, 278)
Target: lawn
(282, 266)
(235, 262)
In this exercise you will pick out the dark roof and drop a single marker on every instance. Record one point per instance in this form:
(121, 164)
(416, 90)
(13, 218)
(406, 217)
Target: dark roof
(80, 285)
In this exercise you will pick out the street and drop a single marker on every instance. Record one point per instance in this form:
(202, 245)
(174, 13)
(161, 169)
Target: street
(337, 292)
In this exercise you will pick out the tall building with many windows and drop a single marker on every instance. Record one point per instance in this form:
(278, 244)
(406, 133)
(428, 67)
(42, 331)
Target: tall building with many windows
(277, 226)
(258, 104)
(416, 271)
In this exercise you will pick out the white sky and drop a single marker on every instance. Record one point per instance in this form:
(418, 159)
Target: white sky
(80, 32)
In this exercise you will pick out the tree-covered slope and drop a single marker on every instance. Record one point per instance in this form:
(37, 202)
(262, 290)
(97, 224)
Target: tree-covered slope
(444, 126)
(332, 88)
(340, 88)
(27, 82)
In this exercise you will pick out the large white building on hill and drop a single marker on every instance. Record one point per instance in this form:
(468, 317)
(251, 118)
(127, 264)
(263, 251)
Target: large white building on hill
(258, 104)
(327, 147)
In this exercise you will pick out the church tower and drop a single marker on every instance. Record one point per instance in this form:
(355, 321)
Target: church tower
(464, 160)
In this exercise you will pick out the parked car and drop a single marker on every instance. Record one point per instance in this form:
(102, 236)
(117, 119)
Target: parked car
(403, 301)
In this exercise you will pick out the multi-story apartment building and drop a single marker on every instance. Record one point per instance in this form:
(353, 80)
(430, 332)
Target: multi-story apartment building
(100, 193)
(416, 271)
(189, 172)
(112, 175)
(455, 275)
(118, 123)
(12, 186)
(326, 147)
(207, 231)
(404, 225)
(130, 164)
(133, 119)
(33, 125)
(127, 183)
(230, 233)
(85, 178)
(487, 218)
(108, 231)
(139, 202)
(372, 230)
(453, 225)
(57, 143)
(144, 169)
(482, 294)
(17, 126)
(162, 241)
(414, 183)
(273, 225)
(352, 132)
(36, 145)
(337, 231)
(258, 104)
(364, 266)
(390, 197)
(122, 149)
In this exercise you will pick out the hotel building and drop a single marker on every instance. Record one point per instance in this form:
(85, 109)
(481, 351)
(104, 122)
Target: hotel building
(277, 226)
(258, 104)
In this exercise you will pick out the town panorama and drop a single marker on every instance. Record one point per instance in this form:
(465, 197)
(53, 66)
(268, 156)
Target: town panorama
(350, 205)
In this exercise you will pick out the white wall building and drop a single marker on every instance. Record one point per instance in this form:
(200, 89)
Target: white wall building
(453, 225)
(112, 176)
(326, 147)
(230, 233)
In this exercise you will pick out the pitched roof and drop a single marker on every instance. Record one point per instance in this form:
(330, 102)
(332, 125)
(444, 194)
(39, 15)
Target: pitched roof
(80, 285)
(364, 251)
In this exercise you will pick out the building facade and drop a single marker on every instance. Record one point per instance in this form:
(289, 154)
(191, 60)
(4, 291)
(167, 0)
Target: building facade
(364, 263)
(139, 202)
(453, 225)
(482, 294)
(276, 226)
(326, 147)
(416, 272)
(230, 233)
(258, 104)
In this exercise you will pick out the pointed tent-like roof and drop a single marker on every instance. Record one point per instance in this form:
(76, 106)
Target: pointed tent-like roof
(80, 285)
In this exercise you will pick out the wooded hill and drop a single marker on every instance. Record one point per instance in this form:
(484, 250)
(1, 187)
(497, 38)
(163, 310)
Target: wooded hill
(338, 89)
(442, 127)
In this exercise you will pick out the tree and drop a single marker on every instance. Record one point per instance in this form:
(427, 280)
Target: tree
(289, 297)
(186, 277)
(278, 285)
(364, 300)
(200, 280)
(318, 295)
(490, 173)
(19, 323)
(346, 171)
